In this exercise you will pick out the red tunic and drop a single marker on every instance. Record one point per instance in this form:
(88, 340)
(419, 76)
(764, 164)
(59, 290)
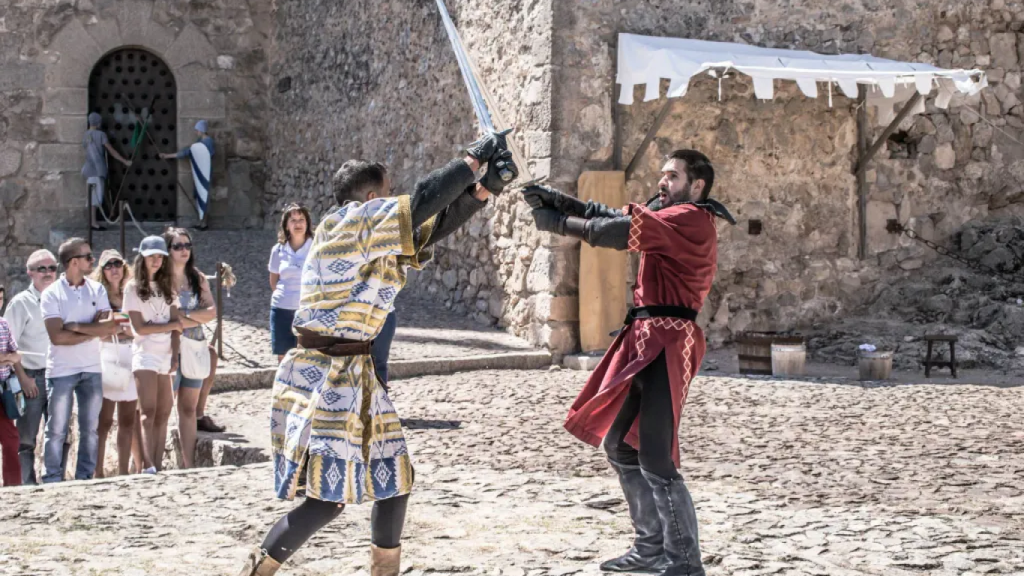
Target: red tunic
(678, 253)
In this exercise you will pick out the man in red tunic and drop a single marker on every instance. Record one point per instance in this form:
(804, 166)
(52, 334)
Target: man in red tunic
(633, 400)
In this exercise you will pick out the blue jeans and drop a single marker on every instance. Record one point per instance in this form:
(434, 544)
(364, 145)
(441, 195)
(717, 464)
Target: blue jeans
(88, 388)
(381, 348)
(28, 429)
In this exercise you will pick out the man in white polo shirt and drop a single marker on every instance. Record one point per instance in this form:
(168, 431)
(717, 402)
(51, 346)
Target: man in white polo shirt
(25, 317)
(76, 312)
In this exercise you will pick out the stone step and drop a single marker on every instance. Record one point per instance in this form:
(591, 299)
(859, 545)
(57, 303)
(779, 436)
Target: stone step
(235, 380)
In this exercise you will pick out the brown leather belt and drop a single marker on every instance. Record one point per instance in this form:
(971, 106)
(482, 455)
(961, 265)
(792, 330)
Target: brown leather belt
(332, 346)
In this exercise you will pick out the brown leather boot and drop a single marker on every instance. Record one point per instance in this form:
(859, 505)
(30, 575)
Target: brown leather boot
(259, 564)
(385, 561)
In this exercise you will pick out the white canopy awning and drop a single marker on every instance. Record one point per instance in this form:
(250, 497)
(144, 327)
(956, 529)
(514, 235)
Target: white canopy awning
(645, 60)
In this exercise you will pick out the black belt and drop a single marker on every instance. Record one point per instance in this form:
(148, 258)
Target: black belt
(643, 312)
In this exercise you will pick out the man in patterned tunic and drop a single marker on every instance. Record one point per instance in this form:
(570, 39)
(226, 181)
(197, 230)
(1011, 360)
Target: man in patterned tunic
(335, 434)
(633, 400)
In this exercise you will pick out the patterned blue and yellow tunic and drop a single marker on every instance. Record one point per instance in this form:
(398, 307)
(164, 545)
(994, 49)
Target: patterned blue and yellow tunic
(334, 431)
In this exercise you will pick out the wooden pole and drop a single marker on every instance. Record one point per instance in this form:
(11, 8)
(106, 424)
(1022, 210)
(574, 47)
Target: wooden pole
(651, 133)
(88, 213)
(220, 310)
(124, 252)
(617, 113)
(862, 177)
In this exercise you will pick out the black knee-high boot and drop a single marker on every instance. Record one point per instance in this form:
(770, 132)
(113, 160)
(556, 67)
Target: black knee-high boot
(647, 553)
(679, 525)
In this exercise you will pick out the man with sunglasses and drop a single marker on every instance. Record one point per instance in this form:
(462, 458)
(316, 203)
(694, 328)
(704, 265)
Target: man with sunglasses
(25, 317)
(76, 312)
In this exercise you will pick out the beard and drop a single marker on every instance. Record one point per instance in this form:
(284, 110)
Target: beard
(663, 199)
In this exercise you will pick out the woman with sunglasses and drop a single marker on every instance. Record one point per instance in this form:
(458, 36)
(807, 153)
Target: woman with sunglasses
(113, 273)
(195, 304)
(149, 300)
(287, 258)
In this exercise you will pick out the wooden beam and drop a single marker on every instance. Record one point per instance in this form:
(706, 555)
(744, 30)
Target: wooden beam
(862, 177)
(863, 161)
(617, 112)
(651, 133)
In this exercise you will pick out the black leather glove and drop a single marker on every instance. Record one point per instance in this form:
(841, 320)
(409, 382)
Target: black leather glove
(492, 180)
(540, 196)
(489, 146)
(549, 220)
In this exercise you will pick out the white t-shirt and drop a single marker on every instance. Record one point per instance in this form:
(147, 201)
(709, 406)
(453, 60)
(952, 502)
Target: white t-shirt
(156, 310)
(79, 304)
(287, 263)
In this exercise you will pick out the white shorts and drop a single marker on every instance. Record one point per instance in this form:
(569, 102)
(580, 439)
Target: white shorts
(97, 189)
(159, 363)
(130, 394)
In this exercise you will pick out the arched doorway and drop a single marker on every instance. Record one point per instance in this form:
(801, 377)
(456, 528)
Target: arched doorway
(135, 93)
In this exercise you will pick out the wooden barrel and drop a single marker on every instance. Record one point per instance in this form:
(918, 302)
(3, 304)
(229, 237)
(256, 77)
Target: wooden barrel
(755, 350)
(789, 359)
(875, 365)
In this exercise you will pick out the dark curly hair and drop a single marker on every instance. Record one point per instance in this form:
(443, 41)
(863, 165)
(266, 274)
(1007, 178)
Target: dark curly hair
(355, 177)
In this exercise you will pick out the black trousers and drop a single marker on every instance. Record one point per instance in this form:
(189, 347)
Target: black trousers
(650, 399)
(299, 525)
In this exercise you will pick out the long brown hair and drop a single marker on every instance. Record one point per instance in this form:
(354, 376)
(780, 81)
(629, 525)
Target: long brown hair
(194, 276)
(283, 235)
(163, 279)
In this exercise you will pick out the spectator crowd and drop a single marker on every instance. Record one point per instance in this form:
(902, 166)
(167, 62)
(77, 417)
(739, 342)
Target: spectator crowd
(126, 341)
(116, 339)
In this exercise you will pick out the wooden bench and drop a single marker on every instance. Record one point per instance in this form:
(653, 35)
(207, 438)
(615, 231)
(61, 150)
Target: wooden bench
(928, 362)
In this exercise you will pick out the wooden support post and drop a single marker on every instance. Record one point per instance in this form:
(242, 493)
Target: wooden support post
(122, 205)
(88, 213)
(651, 133)
(617, 113)
(220, 311)
(862, 177)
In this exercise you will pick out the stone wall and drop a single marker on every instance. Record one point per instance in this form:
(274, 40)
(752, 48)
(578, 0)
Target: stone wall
(378, 80)
(217, 53)
(788, 162)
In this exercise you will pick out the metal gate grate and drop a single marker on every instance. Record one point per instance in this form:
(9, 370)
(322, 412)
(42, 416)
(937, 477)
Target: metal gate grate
(132, 89)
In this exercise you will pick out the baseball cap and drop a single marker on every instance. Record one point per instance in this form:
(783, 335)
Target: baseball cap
(153, 245)
(109, 255)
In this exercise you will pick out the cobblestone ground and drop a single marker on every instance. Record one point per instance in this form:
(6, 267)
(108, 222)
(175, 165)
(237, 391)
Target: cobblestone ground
(789, 478)
(426, 330)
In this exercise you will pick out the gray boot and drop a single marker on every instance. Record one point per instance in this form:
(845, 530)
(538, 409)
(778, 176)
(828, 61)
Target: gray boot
(679, 521)
(647, 553)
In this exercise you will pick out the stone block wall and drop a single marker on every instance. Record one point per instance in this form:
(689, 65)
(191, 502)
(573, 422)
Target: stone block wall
(788, 163)
(217, 53)
(379, 81)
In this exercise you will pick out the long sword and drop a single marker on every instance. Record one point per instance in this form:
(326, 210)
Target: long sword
(482, 103)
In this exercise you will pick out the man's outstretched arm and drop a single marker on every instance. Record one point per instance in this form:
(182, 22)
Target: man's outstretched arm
(601, 232)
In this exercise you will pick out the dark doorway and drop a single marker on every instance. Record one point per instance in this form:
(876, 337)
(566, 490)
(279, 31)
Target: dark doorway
(135, 93)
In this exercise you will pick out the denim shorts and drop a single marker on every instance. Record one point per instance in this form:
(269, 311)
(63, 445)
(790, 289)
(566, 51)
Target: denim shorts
(282, 339)
(182, 382)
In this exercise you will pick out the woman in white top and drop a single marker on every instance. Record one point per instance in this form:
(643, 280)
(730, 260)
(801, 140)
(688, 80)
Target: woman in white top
(287, 258)
(113, 273)
(151, 304)
(195, 308)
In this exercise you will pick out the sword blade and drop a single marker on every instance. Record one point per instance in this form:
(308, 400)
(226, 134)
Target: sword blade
(472, 85)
